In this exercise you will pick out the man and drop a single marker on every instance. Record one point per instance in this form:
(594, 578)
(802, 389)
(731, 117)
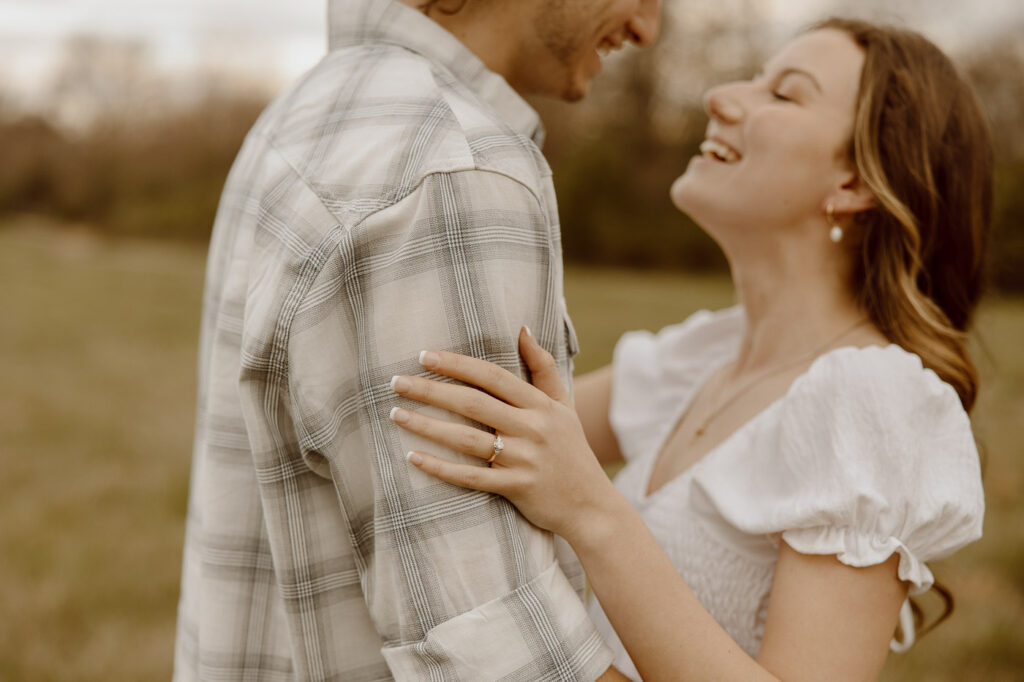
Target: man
(394, 199)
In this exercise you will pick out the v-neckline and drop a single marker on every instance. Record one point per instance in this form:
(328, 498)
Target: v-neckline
(677, 418)
(647, 497)
(650, 464)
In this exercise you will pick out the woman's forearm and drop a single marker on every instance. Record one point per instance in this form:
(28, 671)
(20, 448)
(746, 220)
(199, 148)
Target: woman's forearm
(552, 476)
(593, 394)
(666, 630)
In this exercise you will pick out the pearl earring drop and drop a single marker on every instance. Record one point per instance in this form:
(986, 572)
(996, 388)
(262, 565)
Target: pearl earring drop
(836, 233)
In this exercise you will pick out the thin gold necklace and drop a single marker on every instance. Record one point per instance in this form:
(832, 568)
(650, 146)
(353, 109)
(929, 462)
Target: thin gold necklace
(768, 373)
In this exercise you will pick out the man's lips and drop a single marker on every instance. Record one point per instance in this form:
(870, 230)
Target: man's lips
(610, 43)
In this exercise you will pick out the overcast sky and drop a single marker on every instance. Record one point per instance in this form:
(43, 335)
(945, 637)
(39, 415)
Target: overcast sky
(283, 37)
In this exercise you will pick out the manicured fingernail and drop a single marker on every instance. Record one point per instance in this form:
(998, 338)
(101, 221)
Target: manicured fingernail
(399, 415)
(400, 384)
(414, 458)
(429, 359)
(528, 332)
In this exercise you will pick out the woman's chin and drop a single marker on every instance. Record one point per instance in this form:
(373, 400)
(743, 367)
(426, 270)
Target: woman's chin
(687, 196)
(682, 193)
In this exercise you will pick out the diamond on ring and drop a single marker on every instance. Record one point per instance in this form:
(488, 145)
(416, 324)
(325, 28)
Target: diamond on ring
(498, 446)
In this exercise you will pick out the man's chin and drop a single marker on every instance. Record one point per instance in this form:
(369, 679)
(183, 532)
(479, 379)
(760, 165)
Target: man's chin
(576, 89)
(574, 95)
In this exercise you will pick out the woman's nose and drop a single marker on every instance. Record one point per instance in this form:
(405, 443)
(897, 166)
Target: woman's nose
(722, 104)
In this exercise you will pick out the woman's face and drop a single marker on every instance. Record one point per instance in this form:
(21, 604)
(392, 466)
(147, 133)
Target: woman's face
(775, 150)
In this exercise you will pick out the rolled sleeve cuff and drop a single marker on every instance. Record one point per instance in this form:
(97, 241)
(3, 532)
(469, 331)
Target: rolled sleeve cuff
(538, 632)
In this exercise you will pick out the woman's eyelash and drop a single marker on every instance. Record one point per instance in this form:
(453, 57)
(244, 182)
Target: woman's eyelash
(779, 96)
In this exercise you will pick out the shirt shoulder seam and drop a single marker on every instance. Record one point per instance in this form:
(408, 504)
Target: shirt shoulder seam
(476, 168)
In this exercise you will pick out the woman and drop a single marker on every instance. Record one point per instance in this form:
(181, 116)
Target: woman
(793, 462)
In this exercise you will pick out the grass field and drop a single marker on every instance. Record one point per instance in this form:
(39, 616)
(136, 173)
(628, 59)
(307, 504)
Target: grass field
(97, 365)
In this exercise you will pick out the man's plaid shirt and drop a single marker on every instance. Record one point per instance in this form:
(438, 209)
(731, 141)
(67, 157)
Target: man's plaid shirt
(392, 200)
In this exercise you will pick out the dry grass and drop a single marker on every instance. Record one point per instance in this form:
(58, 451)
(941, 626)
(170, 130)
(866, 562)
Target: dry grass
(97, 360)
(97, 363)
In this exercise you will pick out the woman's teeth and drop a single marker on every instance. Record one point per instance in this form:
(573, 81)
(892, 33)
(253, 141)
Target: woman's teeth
(718, 151)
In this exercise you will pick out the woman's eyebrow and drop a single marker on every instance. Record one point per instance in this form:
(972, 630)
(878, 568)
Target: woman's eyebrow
(800, 72)
(790, 71)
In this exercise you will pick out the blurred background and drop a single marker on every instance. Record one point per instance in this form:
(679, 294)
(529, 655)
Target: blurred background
(118, 123)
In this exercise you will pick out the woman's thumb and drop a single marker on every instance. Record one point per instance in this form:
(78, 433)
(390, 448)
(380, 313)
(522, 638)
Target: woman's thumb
(543, 370)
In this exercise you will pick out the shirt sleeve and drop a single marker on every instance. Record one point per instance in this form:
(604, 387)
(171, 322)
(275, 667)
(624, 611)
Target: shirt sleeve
(457, 583)
(891, 463)
(872, 455)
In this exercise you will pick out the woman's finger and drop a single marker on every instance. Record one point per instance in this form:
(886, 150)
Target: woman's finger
(542, 366)
(496, 380)
(465, 400)
(463, 475)
(458, 437)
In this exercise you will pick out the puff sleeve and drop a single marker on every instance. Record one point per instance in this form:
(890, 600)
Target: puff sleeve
(871, 455)
(653, 374)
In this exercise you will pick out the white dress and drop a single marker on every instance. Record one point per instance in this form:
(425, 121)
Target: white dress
(867, 454)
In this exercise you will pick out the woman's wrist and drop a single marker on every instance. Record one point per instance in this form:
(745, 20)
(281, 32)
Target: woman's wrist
(597, 526)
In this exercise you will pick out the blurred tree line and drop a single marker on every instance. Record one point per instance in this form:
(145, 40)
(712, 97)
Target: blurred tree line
(114, 150)
(129, 158)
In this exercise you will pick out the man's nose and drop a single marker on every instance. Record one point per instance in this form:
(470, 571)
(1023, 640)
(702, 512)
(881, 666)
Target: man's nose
(644, 24)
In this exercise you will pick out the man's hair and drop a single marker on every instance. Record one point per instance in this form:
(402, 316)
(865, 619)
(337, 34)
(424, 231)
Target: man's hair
(444, 6)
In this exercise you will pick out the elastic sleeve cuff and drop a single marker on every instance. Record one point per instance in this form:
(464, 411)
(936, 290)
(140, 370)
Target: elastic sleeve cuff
(860, 549)
(539, 631)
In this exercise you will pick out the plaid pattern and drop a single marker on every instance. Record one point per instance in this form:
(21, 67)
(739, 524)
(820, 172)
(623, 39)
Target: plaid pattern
(393, 200)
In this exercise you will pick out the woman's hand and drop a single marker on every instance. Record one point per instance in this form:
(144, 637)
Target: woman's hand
(546, 468)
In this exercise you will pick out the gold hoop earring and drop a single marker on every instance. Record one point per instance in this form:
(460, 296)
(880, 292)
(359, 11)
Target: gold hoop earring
(836, 233)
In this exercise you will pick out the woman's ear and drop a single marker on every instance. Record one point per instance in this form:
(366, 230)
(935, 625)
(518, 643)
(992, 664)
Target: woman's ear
(852, 197)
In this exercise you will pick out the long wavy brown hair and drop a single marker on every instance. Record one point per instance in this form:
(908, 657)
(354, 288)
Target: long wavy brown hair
(922, 144)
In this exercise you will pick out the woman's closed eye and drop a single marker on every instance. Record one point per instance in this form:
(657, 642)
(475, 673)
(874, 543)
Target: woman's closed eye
(794, 85)
(788, 89)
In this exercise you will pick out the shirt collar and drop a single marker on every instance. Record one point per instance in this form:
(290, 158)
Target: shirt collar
(357, 22)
